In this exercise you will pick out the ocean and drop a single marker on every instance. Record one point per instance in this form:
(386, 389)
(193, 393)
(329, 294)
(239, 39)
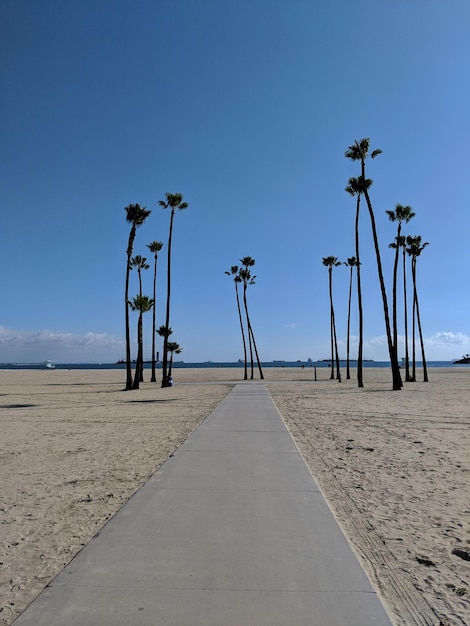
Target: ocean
(210, 364)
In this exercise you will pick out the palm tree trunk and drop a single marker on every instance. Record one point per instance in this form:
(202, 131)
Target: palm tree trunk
(242, 329)
(256, 352)
(348, 373)
(407, 355)
(394, 296)
(413, 374)
(338, 370)
(330, 283)
(418, 317)
(139, 372)
(249, 334)
(360, 382)
(130, 246)
(167, 318)
(396, 376)
(153, 378)
(137, 376)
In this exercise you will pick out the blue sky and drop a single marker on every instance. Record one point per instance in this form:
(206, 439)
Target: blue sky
(246, 107)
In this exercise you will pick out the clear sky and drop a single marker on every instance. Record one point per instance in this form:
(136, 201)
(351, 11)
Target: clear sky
(246, 107)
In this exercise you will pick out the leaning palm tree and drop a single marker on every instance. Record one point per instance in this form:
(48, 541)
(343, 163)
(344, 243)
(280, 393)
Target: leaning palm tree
(136, 216)
(330, 262)
(154, 248)
(237, 280)
(173, 201)
(173, 348)
(414, 249)
(247, 279)
(401, 214)
(359, 151)
(356, 187)
(140, 263)
(142, 304)
(351, 263)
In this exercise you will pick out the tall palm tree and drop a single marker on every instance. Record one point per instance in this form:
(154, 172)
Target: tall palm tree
(330, 262)
(247, 279)
(356, 187)
(359, 151)
(400, 244)
(142, 304)
(174, 201)
(140, 263)
(237, 280)
(154, 248)
(351, 263)
(136, 216)
(401, 214)
(414, 249)
(173, 348)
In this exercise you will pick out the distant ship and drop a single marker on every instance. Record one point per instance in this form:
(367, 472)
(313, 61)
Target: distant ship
(345, 360)
(465, 360)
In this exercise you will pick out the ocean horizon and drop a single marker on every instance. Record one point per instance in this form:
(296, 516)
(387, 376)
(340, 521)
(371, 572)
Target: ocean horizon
(214, 364)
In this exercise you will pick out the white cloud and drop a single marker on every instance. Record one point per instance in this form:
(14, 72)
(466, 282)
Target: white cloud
(290, 325)
(442, 346)
(26, 346)
(448, 345)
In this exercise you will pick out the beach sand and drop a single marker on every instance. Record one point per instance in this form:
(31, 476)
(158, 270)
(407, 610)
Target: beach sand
(394, 467)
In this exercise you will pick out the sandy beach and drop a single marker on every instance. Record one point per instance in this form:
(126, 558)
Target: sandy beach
(394, 467)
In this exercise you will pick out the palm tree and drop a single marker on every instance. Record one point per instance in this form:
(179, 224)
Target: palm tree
(140, 263)
(356, 187)
(164, 333)
(402, 214)
(173, 201)
(247, 279)
(173, 348)
(136, 216)
(351, 263)
(330, 262)
(402, 244)
(237, 280)
(359, 152)
(414, 249)
(142, 304)
(154, 248)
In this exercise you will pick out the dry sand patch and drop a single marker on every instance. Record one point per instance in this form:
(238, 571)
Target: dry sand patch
(74, 448)
(395, 467)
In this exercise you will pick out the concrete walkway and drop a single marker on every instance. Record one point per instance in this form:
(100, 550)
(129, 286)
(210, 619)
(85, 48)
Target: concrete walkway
(230, 531)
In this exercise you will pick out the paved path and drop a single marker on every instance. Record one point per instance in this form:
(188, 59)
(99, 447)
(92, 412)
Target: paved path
(230, 531)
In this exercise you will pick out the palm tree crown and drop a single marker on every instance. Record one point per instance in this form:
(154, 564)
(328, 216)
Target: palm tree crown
(402, 214)
(136, 214)
(358, 185)
(173, 201)
(359, 151)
